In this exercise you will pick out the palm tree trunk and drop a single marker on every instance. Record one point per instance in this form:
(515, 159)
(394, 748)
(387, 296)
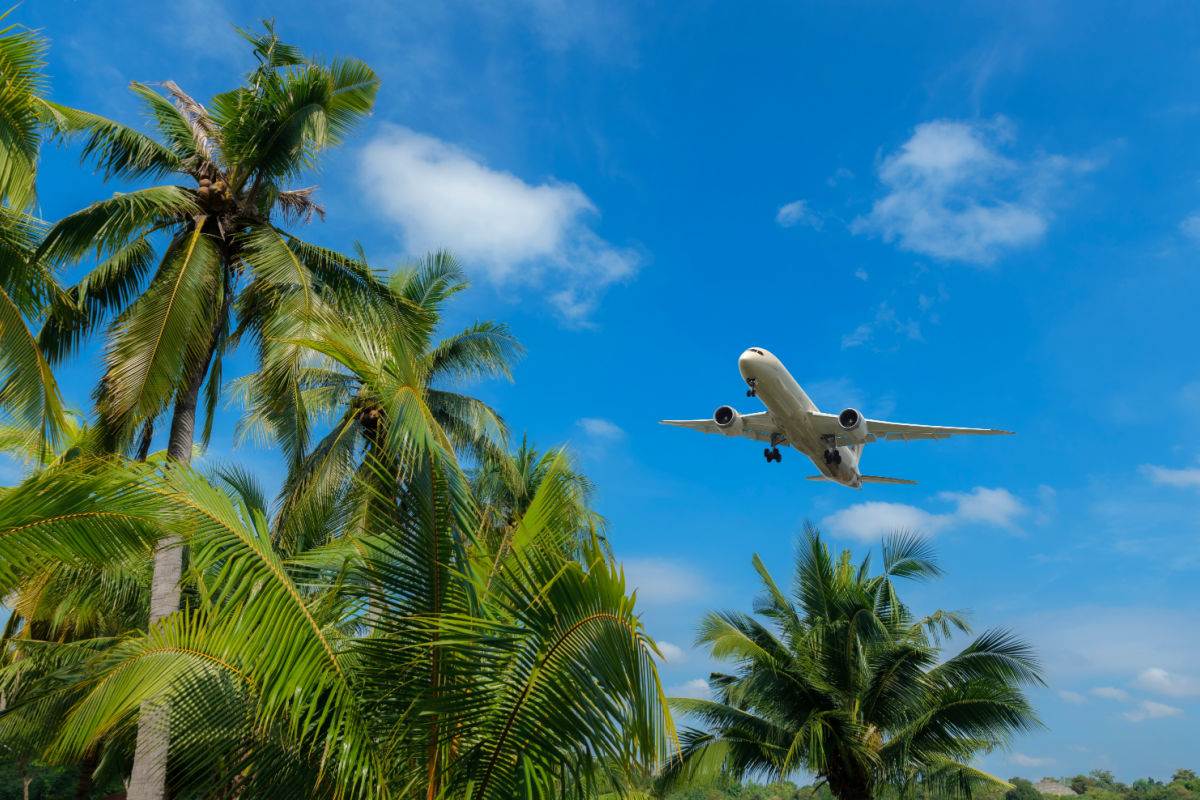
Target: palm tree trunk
(87, 767)
(148, 779)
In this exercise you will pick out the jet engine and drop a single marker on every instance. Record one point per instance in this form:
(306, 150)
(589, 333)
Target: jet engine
(854, 424)
(728, 420)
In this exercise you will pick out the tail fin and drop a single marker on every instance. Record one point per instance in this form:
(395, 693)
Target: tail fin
(878, 479)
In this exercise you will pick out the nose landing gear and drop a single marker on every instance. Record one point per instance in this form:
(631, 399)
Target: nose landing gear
(752, 391)
(772, 454)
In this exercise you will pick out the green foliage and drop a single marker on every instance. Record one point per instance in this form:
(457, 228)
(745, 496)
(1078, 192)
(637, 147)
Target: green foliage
(1022, 790)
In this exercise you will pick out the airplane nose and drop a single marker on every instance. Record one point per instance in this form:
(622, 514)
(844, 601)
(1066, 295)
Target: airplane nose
(747, 361)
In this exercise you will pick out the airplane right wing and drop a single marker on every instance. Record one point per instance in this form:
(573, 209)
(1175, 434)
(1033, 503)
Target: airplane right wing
(759, 427)
(879, 430)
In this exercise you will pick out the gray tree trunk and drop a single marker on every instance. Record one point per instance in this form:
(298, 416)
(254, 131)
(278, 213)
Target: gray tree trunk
(148, 779)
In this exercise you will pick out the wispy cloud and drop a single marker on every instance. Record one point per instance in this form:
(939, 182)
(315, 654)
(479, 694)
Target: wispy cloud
(672, 653)
(697, 688)
(512, 232)
(1148, 709)
(1074, 698)
(951, 193)
(661, 581)
(798, 213)
(1156, 679)
(1190, 226)
(1022, 760)
(599, 428)
(1113, 643)
(1185, 478)
(887, 320)
(1111, 693)
(871, 520)
(838, 393)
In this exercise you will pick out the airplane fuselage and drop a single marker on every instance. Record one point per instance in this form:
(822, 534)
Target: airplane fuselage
(792, 410)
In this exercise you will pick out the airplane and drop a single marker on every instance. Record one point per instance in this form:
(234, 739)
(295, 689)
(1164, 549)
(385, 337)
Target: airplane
(833, 442)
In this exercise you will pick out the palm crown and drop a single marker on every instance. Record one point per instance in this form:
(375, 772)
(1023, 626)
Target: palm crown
(842, 680)
(220, 226)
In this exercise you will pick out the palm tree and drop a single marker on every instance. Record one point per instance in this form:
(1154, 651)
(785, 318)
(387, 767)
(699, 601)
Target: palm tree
(221, 226)
(839, 678)
(27, 387)
(373, 365)
(486, 675)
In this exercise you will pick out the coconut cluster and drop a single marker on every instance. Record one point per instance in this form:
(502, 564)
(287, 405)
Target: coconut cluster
(211, 189)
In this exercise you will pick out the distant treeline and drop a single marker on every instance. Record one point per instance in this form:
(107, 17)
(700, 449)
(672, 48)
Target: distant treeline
(58, 783)
(1096, 785)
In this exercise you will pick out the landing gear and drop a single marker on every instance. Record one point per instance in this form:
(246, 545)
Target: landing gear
(751, 393)
(772, 454)
(833, 456)
(753, 390)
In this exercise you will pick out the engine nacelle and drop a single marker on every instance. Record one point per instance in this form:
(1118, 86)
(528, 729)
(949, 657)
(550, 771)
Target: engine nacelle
(854, 424)
(728, 420)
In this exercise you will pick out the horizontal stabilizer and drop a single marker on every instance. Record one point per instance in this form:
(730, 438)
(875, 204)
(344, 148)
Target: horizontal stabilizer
(880, 479)
(867, 479)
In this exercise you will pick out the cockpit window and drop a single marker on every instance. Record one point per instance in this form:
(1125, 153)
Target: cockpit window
(756, 350)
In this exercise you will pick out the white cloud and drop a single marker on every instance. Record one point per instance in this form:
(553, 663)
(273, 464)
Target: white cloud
(798, 213)
(513, 232)
(1191, 225)
(871, 520)
(992, 506)
(1148, 709)
(664, 582)
(860, 273)
(697, 688)
(601, 428)
(952, 195)
(1111, 693)
(1022, 760)
(1156, 679)
(672, 653)
(1074, 698)
(1186, 478)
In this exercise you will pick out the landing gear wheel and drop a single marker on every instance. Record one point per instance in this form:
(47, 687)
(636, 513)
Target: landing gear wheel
(775, 454)
(767, 454)
(828, 457)
(751, 393)
(837, 456)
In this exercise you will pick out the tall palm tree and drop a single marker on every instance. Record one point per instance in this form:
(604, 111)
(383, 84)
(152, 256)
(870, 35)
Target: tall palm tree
(172, 314)
(374, 366)
(840, 679)
(27, 387)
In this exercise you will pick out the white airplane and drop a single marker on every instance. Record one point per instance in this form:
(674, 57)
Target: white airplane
(834, 442)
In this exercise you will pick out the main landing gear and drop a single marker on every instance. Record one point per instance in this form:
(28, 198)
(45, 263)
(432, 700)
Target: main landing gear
(833, 456)
(772, 454)
(752, 391)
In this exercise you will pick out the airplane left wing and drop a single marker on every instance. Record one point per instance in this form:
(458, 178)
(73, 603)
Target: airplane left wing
(759, 427)
(879, 430)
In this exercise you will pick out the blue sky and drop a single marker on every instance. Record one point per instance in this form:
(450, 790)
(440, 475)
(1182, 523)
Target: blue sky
(984, 214)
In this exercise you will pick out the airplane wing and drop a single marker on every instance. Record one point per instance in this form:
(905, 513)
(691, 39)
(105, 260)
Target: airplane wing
(880, 430)
(758, 427)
